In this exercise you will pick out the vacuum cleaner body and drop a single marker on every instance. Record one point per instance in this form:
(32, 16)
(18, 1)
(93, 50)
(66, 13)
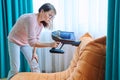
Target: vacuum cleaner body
(65, 38)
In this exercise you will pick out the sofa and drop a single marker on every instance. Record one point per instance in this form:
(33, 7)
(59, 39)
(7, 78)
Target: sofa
(88, 63)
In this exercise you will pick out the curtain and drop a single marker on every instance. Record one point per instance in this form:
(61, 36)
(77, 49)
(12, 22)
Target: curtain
(78, 16)
(113, 41)
(10, 10)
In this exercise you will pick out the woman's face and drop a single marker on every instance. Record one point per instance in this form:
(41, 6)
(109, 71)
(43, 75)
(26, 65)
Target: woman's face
(48, 16)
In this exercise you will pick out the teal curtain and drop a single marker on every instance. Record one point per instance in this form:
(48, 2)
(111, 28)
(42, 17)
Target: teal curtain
(113, 41)
(10, 10)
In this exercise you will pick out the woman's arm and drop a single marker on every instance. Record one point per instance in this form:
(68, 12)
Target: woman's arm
(31, 31)
(42, 45)
(32, 35)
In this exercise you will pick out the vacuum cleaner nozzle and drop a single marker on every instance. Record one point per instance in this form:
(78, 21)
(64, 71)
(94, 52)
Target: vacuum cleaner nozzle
(54, 50)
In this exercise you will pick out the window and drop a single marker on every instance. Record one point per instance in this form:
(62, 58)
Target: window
(79, 15)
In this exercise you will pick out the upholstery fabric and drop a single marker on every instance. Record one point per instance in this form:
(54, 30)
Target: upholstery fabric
(88, 63)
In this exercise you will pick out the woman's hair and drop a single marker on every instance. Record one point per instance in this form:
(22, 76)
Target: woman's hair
(46, 7)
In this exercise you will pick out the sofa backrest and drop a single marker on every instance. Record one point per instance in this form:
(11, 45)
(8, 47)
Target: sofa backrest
(88, 62)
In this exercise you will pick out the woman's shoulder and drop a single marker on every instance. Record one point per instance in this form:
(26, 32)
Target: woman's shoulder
(28, 16)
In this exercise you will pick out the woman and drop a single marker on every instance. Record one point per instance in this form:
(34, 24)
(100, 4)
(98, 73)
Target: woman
(24, 37)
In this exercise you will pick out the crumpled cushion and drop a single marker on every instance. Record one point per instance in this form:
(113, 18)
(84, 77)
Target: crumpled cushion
(88, 63)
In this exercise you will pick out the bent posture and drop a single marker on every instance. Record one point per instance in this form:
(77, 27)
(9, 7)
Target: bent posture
(24, 36)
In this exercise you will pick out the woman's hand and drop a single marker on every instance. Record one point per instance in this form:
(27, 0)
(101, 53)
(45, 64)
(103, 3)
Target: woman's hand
(54, 44)
(34, 55)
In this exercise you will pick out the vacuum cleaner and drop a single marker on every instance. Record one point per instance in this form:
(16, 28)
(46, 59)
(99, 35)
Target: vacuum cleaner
(65, 38)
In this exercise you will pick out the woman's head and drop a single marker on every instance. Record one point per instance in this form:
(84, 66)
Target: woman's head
(47, 13)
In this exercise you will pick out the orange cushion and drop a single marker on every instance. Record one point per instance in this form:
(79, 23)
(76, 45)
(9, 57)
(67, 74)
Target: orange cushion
(91, 62)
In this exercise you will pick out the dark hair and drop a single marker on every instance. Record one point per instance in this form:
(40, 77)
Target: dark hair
(46, 7)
